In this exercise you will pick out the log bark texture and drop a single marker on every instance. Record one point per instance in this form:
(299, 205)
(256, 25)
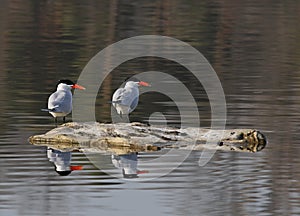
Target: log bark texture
(124, 138)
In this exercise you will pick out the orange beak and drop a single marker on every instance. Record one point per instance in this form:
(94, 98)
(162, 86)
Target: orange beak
(76, 86)
(76, 168)
(142, 83)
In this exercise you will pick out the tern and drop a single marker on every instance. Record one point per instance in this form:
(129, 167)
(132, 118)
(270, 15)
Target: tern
(60, 102)
(126, 99)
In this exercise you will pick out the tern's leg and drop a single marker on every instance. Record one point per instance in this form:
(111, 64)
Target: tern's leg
(64, 119)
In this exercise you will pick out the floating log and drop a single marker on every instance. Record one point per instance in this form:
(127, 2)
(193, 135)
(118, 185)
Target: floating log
(123, 138)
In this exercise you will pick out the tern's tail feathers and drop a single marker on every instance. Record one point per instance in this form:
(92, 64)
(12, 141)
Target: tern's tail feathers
(49, 110)
(115, 102)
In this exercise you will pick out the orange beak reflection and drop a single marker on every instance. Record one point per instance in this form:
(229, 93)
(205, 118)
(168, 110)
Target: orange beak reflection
(76, 167)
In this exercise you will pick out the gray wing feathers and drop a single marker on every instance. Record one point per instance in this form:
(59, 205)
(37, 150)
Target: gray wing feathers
(61, 101)
(134, 103)
(117, 96)
(127, 97)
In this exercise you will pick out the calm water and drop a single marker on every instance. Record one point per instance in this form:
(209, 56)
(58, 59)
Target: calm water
(254, 46)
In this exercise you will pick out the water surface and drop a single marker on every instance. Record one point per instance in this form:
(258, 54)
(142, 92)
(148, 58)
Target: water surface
(252, 45)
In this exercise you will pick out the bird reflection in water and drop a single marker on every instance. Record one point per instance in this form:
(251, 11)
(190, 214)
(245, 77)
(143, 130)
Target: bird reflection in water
(127, 163)
(61, 161)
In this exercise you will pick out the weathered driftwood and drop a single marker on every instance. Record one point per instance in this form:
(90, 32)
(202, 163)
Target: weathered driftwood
(123, 138)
